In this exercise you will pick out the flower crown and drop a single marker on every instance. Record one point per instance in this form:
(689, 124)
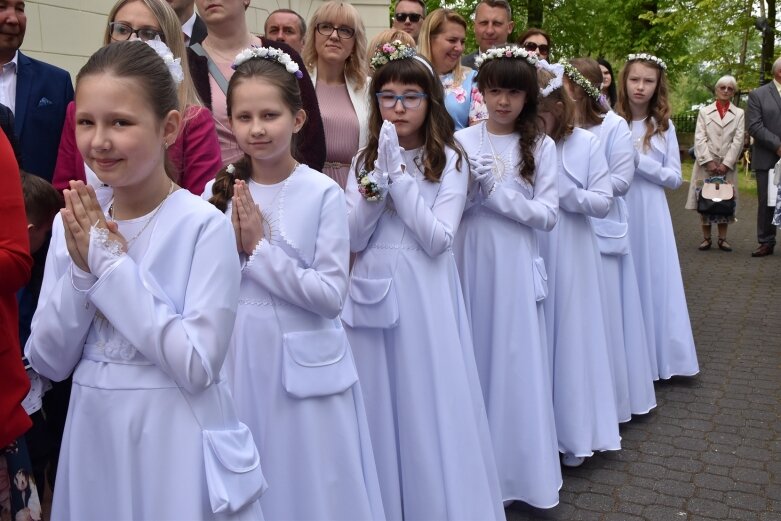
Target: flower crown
(647, 57)
(390, 51)
(581, 81)
(270, 54)
(509, 51)
(174, 64)
(556, 81)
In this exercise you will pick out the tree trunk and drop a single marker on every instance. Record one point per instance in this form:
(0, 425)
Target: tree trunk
(768, 44)
(534, 10)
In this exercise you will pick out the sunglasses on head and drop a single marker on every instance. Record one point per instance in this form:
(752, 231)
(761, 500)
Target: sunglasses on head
(413, 17)
(532, 47)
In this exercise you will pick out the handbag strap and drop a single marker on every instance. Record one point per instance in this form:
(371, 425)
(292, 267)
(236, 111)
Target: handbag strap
(215, 71)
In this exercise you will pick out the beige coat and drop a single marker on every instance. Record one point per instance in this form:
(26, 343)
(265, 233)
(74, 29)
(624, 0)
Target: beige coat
(719, 139)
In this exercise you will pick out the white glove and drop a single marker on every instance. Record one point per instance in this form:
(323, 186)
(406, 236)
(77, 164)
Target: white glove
(389, 154)
(103, 251)
(483, 174)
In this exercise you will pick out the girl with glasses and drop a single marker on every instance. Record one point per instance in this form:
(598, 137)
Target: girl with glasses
(643, 103)
(513, 193)
(404, 312)
(195, 155)
(334, 53)
(441, 41)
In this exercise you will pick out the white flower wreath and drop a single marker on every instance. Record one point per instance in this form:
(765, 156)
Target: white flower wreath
(647, 57)
(271, 54)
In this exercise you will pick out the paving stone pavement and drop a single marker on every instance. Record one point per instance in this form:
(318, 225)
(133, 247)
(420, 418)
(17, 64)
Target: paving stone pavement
(711, 450)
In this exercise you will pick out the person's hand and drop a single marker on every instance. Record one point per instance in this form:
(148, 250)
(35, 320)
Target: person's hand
(711, 167)
(778, 151)
(235, 223)
(82, 211)
(391, 151)
(250, 218)
(483, 174)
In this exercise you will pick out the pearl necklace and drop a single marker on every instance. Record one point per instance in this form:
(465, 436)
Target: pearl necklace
(499, 168)
(151, 217)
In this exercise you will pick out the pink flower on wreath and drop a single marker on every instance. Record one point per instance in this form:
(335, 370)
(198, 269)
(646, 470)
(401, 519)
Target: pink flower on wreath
(388, 48)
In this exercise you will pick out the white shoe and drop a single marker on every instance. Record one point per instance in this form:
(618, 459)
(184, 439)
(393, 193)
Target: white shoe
(570, 460)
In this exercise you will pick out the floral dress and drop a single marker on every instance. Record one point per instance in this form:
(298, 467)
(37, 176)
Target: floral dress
(463, 101)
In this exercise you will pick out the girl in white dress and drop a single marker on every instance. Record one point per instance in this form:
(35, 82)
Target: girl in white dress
(290, 366)
(513, 193)
(405, 311)
(627, 339)
(642, 102)
(583, 392)
(139, 297)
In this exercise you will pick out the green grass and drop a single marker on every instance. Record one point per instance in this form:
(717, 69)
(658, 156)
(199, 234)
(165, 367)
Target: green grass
(746, 183)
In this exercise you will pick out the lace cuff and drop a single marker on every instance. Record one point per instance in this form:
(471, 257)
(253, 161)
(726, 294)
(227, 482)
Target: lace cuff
(255, 252)
(103, 252)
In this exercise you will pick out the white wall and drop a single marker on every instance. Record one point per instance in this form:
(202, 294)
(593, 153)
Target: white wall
(66, 32)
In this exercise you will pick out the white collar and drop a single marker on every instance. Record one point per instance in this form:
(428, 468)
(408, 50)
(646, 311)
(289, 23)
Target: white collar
(14, 61)
(187, 27)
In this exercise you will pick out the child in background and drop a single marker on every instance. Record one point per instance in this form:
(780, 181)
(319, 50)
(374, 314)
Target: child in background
(627, 338)
(514, 192)
(583, 392)
(642, 102)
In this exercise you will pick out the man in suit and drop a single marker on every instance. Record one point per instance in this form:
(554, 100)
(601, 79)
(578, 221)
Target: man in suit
(763, 115)
(193, 28)
(36, 92)
(493, 25)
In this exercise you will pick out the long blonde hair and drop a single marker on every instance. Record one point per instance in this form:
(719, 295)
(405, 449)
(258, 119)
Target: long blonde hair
(434, 25)
(355, 69)
(172, 34)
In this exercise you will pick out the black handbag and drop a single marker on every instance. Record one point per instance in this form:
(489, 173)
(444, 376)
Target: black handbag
(716, 199)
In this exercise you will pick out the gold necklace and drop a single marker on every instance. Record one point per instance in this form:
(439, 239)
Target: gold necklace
(148, 221)
(212, 50)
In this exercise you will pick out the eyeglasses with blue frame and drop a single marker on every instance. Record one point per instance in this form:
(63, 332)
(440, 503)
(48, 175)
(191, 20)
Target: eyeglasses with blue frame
(409, 101)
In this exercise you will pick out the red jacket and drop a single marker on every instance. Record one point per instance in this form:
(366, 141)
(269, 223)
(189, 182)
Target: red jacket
(15, 267)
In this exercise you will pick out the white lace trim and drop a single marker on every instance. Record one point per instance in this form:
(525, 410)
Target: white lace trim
(252, 257)
(261, 302)
(112, 247)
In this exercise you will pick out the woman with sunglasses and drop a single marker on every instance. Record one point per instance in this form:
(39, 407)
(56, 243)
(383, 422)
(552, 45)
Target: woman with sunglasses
(442, 43)
(536, 41)
(195, 155)
(334, 54)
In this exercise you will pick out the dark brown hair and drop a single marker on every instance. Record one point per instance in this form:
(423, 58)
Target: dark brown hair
(516, 73)
(275, 74)
(565, 116)
(588, 111)
(658, 108)
(41, 200)
(531, 31)
(437, 128)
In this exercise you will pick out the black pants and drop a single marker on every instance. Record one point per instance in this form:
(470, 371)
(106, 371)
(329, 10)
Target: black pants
(766, 232)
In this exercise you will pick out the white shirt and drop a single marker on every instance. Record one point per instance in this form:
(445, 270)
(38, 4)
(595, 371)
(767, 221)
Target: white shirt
(187, 29)
(8, 83)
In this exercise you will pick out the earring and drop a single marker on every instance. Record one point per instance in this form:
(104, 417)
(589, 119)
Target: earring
(165, 145)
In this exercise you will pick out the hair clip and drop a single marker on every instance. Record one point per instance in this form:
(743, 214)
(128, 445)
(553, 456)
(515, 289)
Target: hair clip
(556, 81)
(174, 64)
(270, 54)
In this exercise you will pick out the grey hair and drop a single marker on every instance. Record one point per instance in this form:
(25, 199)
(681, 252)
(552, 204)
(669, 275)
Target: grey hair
(728, 79)
(776, 65)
